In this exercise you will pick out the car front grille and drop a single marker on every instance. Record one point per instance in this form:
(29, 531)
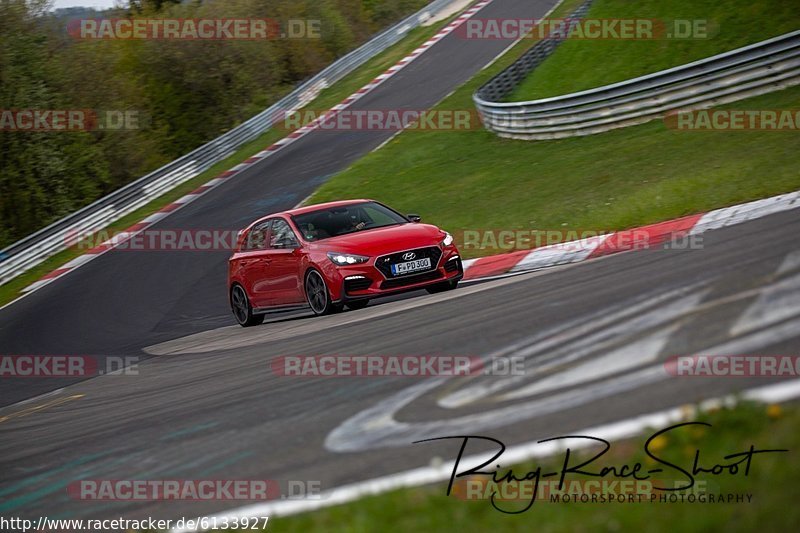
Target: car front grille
(384, 262)
(404, 281)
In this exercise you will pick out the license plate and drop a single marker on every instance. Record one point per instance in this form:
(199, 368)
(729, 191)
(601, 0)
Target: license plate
(411, 266)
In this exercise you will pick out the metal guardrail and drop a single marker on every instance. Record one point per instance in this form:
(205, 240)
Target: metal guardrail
(755, 69)
(506, 81)
(35, 248)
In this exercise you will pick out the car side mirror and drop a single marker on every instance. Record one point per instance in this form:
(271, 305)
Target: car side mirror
(414, 218)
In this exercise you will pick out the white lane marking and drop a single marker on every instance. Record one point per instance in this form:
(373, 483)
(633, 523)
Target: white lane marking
(665, 320)
(790, 263)
(576, 251)
(466, 263)
(618, 361)
(775, 303)
(449, 11)
(30, 288)
(377, 426)
(515, 454)
(558, 254)
(303, 201)
(214, 182)
(230, 337)
(568, 342)
(155, 217)
(728, 216)
(77, 261)
(185, 199)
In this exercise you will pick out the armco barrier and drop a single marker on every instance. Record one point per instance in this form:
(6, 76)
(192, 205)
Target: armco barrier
(749, 71)
(35, 248)
(501, 85)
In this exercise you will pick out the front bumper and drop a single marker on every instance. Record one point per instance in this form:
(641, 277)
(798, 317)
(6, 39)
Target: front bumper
(365, 281)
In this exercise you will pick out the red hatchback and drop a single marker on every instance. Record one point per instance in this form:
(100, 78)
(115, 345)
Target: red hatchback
(330, 255)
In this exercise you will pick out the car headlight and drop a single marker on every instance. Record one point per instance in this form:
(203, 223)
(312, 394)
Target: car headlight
(448, 239)
(346, 259)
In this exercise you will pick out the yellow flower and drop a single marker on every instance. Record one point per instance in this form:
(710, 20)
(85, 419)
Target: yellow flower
(774, 410)
(658, 443)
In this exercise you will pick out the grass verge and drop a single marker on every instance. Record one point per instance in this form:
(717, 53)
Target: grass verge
(769, 482)
(731, 24)
(473, 180)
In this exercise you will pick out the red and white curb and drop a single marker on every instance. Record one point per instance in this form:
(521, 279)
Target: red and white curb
(653, 234)
(226, 175)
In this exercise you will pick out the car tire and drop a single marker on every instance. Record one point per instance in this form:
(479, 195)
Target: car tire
(318, 296)
(442, 287)
(242, 310)
(355, 305)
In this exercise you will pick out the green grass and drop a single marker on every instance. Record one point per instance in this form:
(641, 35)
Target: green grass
(473, 180)
(584, 64)
(615, 180)
(771, 482)
(326, 99)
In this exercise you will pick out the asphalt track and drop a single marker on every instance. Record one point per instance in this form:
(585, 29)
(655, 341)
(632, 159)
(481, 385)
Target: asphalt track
(594, 337)
(608, 324)
(123, 301)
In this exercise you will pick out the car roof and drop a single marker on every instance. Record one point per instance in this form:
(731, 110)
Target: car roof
(309, 208)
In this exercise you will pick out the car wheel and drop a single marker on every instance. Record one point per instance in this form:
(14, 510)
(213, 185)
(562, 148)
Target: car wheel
(242, 310)
(319, 299)
(357, 304)
(442, 287)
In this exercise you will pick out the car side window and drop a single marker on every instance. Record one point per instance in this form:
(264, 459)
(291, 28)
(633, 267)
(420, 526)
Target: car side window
(257, 238)
(282, 235)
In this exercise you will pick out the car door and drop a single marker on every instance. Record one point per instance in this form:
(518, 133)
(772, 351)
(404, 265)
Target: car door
(254, 262)
(284, 265)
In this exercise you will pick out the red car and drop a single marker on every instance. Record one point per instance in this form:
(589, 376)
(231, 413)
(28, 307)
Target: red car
(330, 255)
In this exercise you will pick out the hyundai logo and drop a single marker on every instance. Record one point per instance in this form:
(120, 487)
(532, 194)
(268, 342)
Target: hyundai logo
(408, 256)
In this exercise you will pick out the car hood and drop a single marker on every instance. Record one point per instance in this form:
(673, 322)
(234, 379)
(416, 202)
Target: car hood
(384, 240)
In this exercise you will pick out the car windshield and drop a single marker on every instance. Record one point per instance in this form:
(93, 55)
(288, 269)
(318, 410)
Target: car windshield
(335, 221)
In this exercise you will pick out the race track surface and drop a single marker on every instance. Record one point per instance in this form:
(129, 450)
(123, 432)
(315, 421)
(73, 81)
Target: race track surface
(123, 301)
(206, 404)
(594, 337)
